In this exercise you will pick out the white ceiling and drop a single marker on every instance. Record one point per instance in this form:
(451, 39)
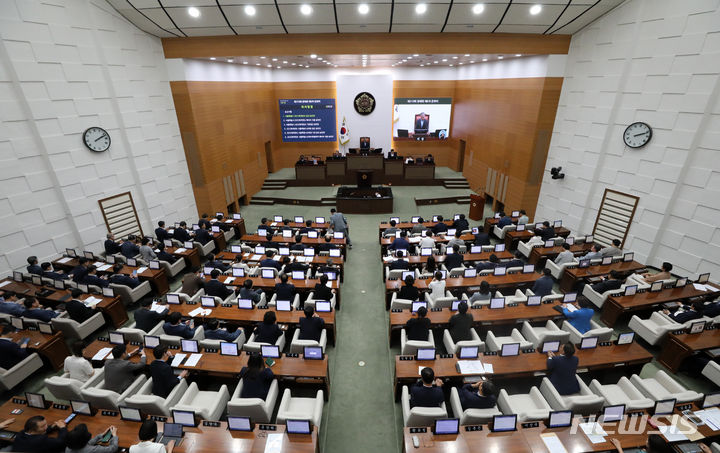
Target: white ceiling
(170, 18)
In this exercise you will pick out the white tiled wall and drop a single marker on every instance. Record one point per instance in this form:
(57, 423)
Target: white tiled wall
(656, 61)
(66, 65)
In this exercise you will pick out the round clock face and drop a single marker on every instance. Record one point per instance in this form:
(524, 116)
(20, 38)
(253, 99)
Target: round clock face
(637, 135)
(97, 139)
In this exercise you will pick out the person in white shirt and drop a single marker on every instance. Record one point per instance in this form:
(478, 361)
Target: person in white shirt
(427, 241)
(437, 286)
(523, 219)
(566, 256)
(78, 367)
(148, 433)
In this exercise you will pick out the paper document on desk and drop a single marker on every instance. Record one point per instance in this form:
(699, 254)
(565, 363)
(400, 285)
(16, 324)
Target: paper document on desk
(5, 283)
(711, 417)
(141, 269)
(229, 221)
(488, 368)
(700, 287)
(594, 432)
(255, 258)
(177, 360)
(553, 443)
(470, 367)
(274, 443)
(415, 240)
(193, 359)
(229, 280)
(102, 353)
(157, 308)
(570, 307)
(200, 311)
(98, 263)
(92, 301)
(65, 260)
(672, 433)
(273, 223)
(180, 250)
(104, 267)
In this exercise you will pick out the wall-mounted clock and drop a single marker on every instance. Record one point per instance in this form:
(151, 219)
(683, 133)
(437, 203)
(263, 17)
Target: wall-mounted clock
(637, 134)
(96, 139)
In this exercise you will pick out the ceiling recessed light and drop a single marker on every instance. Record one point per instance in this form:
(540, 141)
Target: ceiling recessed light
(245, 62)
(262, 58)
(500, 57)
(306, 9)
(484, 59)
(451, 65)
(478, 8)
(257, 64)
(444, 60)
(472, 61)
(193, 12)
(212, 58)
(294, 64)
(518, 55)
(435, 62)
(409, 58)
(277, 67)
(363, 8)
(249, 10)
(420, 8)
(284, 62)
(416, 55)
(313, 56)
(535, 9)
(458, 64)
(269, 66)
(230, 60)
(274, 59)
(422, 65)
(455, 58)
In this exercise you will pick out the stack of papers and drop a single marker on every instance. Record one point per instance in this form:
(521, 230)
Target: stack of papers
(104, 267)
(229, 280)
(177, 360)
(229, 221)
(158, 308)
(570, 307)
(7, 282)
(594, 432)
(101, 354)
(471, 367)
(180, 250)
(98, 263)
(193, 359)
(553, 443)
(415, 240)
(256, 258)
(141, 269)
(92, 301)
(711, 417)
(672, 433)
(701, 287)
(65, 260)
(200, 311)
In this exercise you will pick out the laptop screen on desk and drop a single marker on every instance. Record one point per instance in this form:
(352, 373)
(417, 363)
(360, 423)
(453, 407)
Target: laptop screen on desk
(116, 338)
(520, 227)
(130, 414)
(308, 252)
(151, 341)
(613, 413)
(238, 272)
(550, 346)
(277, 218)
(703, 278)
(207, 301)
(228, 349)
(283, 305)
(245, 304)
(528, 268)
(173, 430)
(664, 407)
(189, 346)
(271, 351)
(298, 426)
(267, 273)
(319, 219)
(560, 419)
(415, 219)
(629, 257)
(283, 251)
(470, 273)
(469, 352)
(447, 426)
(417, 304)
(335, 253)
(299, 219)
(589, 343)
(172, 298)
(534, 300)
(510, 349)
(502, 423)
(259, 249)
(312, 353)
(239, 424)
(184, 418)
(499, 271)
(630, 290)
(323, 306)
(425, 354)
(626, 338)
(312, 234)
(606, 260)
(499, 247)
(81, 407)
(287, 233)
(497, 302)
(569, 298)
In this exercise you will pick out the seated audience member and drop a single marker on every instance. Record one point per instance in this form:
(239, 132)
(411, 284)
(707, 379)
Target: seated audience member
(662, 275)
(515, 262)
(239, 263)
(161, 233)
(80, 271)
(613, 250)
(504, 220)
(162, 255)
(35, 311)
(289, 266)
(427, 392)
(593, 253)
(461, 323)
(302, 160)
(307, 228)
(327, 267)
(492, 263)
(267, 331)
(192, 283)
(173, 326)
(33, 267)
(480, 395)
(146, 251)
(523, 219)
(129, 248)
(164, 379)
(212, 261)
(11, 353)
(686, 313)
(147, 435)
(34, 437)
(711, 309)
(429, 159)
(399, 263)
(145, 318)
(111, 247)
(76, 309)
(543, 286)
(392, 154)
(269, 262)
(418, 227)
(613, 281)
(566, 256)
(481, 238)
(431, 266)
(437, 286)
(409, 291)
(298, 245)
(215, 287)
(256, 378)
(269, 243)
(284, 290)
(440, 227)
(461, 224)
(264, 224)
(562, 369)
(123, 279)
(79, 440)
(400, 243)
(418, 328)
(204, 220)
(327, 245)
(547, 231)
(10, 307)
(247, 292)
(391, 231)
(483, 295)
(321, 291)
(427, 241)
(455, 240)
(49, 272)
(92, 278)
(214, 332)
(181, 233)
(580, 318)
(311, 326)
(202, 235)
(455, 259)
(120, 371)
(76, 365)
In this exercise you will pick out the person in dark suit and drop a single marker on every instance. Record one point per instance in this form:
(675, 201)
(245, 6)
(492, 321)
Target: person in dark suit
(122, 279)
(129, 248)
(321, 291)
(298, 245)
(461, 224)
(492, 263)
(77, 310)
(429, 159)
(421, 124)
(202, 235)
(164, 380)
(146, 319)
(35, 311)
(284, 290)
(546, 232)
(455, 259)
(461, 323)
(515, 262)
(256, 378)
(327, 245)
(688, 313)
(267, 331)
(11, 353)
(264, 225)
(481, 238)
(418, 328)
(400, 243)
(613, 281)
(269, 243)
(181, 233)
(111, 247)
(327, 267)
(308, 227)
(92, 278)
(247, 292)
(288, 266)
(427, 392)
(34, 436)
(711, 309)
(49, 272)
(439, 227)
(173, 326)
(80, 271)
(269, 262)
(212, 261)
(393, 154)
(562, 370)
(162, 255)
(311, 326)
(409, 292)
(543, 286)
(119, 371)
(215, 287)
(480, 395)
(33, 267)
(214, 332)
(399, 263)
(192, 283)
(204, 220)
(504, 220)
(161, 233)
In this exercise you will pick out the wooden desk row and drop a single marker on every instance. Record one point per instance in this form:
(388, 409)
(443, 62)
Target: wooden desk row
(157, 277)
(408, 226)
(572, 276)
(310, 242)
(51, 347)
(513, 237)
(419, 260)
(306, 285)
(317, 260)
(199, 439)
(678, 347)
(540, 254)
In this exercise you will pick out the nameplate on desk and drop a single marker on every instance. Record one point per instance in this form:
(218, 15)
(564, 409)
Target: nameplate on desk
(490, 353)
(209, 423)
(227, 305)
(407, 357)
(173, 347)
(211, 350)
(136, 343)
(530, 425)
(190, 303)
(264, 307)
(267, 427)
(396, 310)
(436, 309)
(476, 307)
(619, 364)
(684, 407)
(19, 401)
(292, 354)
(549, 301)
(109, 413)
(102, 338)
(62, 407)
(474, 428)
(35, 328)
(513, 304)
(446, 356)
(635, 414)
(157, 418)
(606, 343)
(528, 351)
(418, 430)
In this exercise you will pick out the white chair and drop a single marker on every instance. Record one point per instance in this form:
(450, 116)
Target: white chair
(557, 270)
(101, 398)
(401, 304)
(204, 250)
(653, 330)
(174, 340)
(259, 410)
(715, 447)
(552, 296)
(258, 271)
(297, 345)
(583, 402)
(495, 343)
(539, 335)
(219, 301)
(63, 387)
(131, 295)
(440, 302)
(229, 234)
(622, 393)
(603, 333)
(295, 302)
(152, 404)
(500, 232)
(712, 372)
(456, 272)
(185, 298)
(74, 330)
(9, 378)
(410, 347)
(254, 346)
(528, 407)
(663, 387)
(173, 269)
(311, 300)
(295, 408)
(207, 405)
(471, 416)
(132, 333)
(396, 274)
(420, 416)
(597, 298)
(518, 298)
(215, 344)
(526, 247)
(453, 347)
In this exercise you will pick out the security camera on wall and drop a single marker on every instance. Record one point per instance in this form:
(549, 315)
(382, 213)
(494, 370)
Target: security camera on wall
(555, 172)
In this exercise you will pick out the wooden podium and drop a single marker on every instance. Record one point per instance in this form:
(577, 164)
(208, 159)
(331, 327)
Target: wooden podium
(477, 206)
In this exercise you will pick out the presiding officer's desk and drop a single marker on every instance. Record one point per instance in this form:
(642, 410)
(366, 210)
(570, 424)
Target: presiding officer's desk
(201, 438)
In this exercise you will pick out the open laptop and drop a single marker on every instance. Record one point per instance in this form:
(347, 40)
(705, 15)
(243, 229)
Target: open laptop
(171, 431)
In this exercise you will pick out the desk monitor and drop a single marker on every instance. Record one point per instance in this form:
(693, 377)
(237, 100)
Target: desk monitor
(207, 301)
(606, 260)
(510, 349)
(549, 243)
(88, 255)
(470, 273)
(550, 346)
(396, 219)
(570, 240)
(497, 302)
(237, 216)
(45, 328)
(664, 407)
(680, 282)
(188, 245)
(298, 275)
(267, 273)
(308, 252)
(528, 268)
(184, 418)
(589, 238)
(426, 251)
(335, 253)
(415, 219)
(455, 304)
(110, 259)
(423, 233)
(569, 298)
(444, 274)
(116, 338)
(154, 264)
(703, 278)
(172, 298)
(456, 216)
(417, 304)
(499, 271)
(312, 353)
(151, 341)
(451, 232)
(190, 346)
(515, 214)
(711, 400)
(271, 351)
(338, 235)
(500, 247)
(425, 354)
(277, 218)
(589, 343)
(207, 270)
(71, 252)
(239, 424)
(323, 306)
(504, 423)
(333, 275)
(449, 251)
(319, 219)
(81, 407)
(656, 286)
(697, 327)
(475, 230)
(584, 263)
(560, 419)
(534, 300)
(287, 233)
(260, 249)
(446, 426)
(628, 257)
(195, 226)
(262, 232)
(238, 272)
(469, 352)
(557, 224)
(245, 304)
(108, 292)
(36, 280)
(230, 349)
(17, 323)
(476, 249)
(215, 229)
(406, 274)
(434, 218)
(35, 400)
(83, 287)
(18, 276)
(130, 414)
(630, 290)
(520, 227)
(299, 219)
(613, 413)
(298, 426)
(132, 262)
(539, 225)
(283, 305)
(220, 214)
(626, 338)
(284, 251)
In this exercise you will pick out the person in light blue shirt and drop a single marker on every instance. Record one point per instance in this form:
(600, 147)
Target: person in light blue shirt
(593, 253)
(580, 318)
(523, 219)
